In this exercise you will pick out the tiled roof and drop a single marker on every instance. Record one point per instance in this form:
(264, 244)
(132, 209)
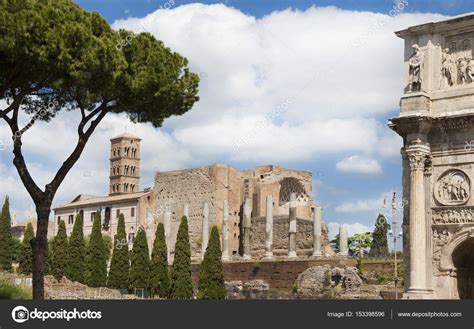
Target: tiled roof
(101, 200)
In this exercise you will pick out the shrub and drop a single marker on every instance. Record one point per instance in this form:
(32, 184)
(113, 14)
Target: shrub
(211, 276)
(6, 240)
(96, 256)
(77, 252)
(120, 264)
(140, 264)
(181, 281)
(10, 291)
(160, 280)
(59, 252)
(26, 255)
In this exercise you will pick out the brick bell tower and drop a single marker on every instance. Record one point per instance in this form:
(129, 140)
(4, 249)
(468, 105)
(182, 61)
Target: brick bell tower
(124, 164)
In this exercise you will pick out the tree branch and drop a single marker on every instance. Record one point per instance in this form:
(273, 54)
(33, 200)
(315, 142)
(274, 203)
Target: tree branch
(52, 187)
(19, 162)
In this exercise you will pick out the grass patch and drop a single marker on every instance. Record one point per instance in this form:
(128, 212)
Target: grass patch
(9, 290)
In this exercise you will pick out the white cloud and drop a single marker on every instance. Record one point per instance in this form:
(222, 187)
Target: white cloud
(359, 164)
(375, 205)
(335, 90)
(333, 84)
(352, 228)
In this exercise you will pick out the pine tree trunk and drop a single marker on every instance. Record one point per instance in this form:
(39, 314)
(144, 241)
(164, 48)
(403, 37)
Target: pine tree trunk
(39, 245)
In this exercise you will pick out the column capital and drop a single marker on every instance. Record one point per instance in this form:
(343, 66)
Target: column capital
(417, 154)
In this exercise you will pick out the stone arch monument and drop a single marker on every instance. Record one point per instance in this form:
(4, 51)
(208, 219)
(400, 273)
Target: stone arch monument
(436, 123)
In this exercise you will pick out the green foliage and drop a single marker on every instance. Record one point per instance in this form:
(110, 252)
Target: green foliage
(379, 246)
(211, 274)
(181, 280)
(384, 278)
(59, 252)
(354, 242)
(96, 262)
(8, 290)
(6, 240)
(360, 265)
(359, 242)
(140, 262)
(49, 258)
(108, 244)
(120, 263)
(160, 279)
(26, 256)
(16, 250)
(59, 47)
(77, 252)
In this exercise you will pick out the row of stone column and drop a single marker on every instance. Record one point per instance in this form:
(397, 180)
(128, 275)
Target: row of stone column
(247, 225)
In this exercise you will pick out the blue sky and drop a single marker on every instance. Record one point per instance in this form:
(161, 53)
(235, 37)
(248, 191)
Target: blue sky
(117, 9)
(343, 78)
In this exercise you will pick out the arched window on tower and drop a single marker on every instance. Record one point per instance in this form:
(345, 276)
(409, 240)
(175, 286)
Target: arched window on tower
(292, 185)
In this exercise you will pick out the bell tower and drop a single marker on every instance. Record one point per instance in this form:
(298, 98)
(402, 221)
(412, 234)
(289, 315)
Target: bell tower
(124, 164)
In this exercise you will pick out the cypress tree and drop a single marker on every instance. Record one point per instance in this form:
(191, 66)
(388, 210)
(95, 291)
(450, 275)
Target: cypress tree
(120, 263)
(6, 240)
(59, 252)
(211, 274)
(160, 280)
(140, 264)
(26, 255)
(49, 259)
(76, 252)
(181, 280)
(16, 250)
(96, 263)
(379, 246)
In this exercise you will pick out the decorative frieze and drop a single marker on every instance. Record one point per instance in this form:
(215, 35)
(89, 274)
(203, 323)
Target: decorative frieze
(450, 216)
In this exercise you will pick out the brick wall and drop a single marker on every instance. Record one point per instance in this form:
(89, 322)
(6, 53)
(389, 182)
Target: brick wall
(283, 274)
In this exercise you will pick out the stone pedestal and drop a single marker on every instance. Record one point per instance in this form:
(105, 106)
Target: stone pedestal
(269, 229)
(343, 242)
(317, 232)
(247, 227)
(292, 230)
(225, 232)
(205, 229)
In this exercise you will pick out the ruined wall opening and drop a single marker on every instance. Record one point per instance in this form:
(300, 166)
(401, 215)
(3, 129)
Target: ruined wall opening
(463, 259)
(292, 185)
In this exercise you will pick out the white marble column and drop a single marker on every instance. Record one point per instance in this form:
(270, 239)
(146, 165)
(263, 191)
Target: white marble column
(186, 210)
(247, 227)
(225, 232)
(269, 228)
(343, 242)
(292, 227)
(417, 155)
(205, 229)
(317, 232)
(167, 225)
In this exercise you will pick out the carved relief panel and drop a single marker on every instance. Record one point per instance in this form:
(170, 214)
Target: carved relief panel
(457, 64)
(453, 188)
